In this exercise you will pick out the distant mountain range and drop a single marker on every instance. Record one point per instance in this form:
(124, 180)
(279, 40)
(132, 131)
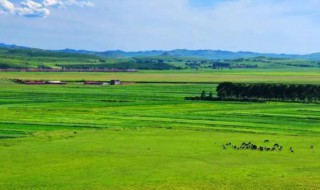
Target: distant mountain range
(204, 54)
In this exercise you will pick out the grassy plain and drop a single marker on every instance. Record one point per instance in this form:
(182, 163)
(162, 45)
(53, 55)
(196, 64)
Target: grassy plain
(145, 136)
(208, 76)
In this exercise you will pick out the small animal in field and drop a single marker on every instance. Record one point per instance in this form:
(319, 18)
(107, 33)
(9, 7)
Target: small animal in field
(311, 146)
(292, 151)
(266, 141)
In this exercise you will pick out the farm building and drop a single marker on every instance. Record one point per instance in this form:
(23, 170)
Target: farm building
(55, 82)
(93, 83)
(34, 82)
(115, 82)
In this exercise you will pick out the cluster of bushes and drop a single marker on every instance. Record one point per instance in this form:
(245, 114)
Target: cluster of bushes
(277, 92)
(228, 91)
(123, 65)
(203, 96)
(209, 97)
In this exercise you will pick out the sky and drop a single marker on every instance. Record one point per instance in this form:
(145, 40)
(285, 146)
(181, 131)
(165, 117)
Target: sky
(267, 26)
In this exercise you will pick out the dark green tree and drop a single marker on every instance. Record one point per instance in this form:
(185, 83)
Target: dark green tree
(203, 95)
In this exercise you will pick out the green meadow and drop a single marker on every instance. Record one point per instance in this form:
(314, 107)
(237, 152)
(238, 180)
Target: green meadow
(300, 75)
(146, 136)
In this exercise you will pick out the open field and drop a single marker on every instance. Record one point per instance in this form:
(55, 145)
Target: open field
(208, 76)
(145, 136)
(151, 158)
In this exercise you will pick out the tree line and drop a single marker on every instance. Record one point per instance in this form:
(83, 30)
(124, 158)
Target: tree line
(268, 92)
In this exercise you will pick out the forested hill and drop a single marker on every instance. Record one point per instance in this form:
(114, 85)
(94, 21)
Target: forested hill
(18, 57)
(206, 54)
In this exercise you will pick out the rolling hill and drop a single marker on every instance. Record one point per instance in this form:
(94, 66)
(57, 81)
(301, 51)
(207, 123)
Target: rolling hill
(19, 57)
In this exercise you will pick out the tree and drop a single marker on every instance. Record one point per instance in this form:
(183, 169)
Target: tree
(282, 92)
(203, 95)
(210, 97)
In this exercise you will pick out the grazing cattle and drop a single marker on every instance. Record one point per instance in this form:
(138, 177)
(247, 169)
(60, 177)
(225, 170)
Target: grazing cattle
(292, 150)
(228, 144)
(276, 145)
(266, 141)
(280, 148)
(311, 147)
(273, 149)
(261, 148)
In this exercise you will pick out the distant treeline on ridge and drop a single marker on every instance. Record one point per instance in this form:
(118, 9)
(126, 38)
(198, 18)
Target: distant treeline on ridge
(277, 92)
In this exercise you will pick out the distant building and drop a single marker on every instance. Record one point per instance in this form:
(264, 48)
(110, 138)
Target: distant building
(55, 82)
(115, 82)
(34, 82)
(93, 83)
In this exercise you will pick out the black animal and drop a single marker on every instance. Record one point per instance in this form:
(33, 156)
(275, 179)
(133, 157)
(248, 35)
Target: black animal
(266, 141)
(266, 148)
(311, 147)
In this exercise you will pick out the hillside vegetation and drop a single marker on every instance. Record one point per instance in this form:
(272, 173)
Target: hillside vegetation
(24, 58)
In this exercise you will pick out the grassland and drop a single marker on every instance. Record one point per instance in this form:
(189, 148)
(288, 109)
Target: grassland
(310, 76)
(145, 136)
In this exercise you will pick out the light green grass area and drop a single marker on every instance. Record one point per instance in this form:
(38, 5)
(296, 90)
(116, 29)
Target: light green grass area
(146, 136)
(208, 76)
(156, 159)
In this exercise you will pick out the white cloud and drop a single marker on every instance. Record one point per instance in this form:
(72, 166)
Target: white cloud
(52, 3)
(6, 7)
(29, 8)
(83, 3)
(65, 3)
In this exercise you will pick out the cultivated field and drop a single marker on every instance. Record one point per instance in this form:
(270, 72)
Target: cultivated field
(208, 76)
(146, 136)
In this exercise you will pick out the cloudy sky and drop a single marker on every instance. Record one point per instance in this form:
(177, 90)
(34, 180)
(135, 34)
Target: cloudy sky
(275, 26)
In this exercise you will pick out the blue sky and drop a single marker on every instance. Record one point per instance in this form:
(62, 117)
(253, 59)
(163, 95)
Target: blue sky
(275, 26)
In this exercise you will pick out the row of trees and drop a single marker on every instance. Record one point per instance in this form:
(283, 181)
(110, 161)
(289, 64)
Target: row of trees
(278, 92)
